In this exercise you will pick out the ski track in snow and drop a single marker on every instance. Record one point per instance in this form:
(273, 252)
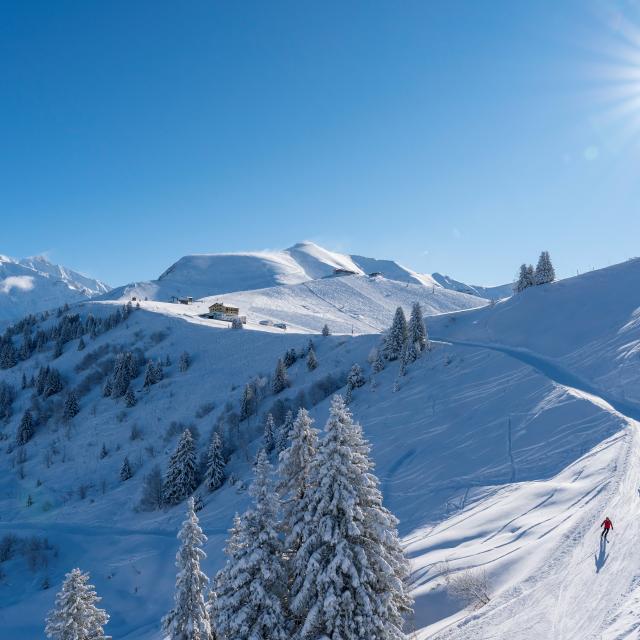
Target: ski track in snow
(604, 574)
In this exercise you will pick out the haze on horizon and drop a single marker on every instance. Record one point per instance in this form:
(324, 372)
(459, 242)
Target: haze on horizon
(459, 138)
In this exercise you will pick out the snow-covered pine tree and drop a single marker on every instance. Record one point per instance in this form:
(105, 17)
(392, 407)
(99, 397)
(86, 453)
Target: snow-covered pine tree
(107, 388)
(378, 363)
(312, 360)
(125, 471)
(181, 476)
(545, 272)
(396, 336)
(248, 403)
(123, 371)
(293, 471)
(290, 357)
(326, 331)
(349, 572)
(130, 398)
(250, 588)
(25, 429)
(76, 616)
(150, 376)
(523, 279)
(214, 475)
(284, 432)
(280, 381)
(269, 438)
(81, 344)
(185, 361)
(71, 407)
(189, 619)
(417, 330)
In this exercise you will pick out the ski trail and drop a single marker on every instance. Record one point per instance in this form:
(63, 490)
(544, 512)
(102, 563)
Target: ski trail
(578, 593)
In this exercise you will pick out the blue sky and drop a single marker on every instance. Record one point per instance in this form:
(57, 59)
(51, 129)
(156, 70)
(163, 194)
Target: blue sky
(460, 137)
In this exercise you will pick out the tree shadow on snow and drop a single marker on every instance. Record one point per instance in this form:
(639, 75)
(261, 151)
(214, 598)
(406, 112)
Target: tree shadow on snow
(601, 556)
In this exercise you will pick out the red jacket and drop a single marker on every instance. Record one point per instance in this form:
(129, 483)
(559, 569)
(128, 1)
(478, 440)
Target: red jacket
(607, 524)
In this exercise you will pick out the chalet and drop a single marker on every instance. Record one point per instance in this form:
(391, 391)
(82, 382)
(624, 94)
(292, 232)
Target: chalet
(223, 309)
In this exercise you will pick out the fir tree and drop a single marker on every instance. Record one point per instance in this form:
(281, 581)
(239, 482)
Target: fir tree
(396, 336)
(152, 490)
(295, 462)
(282, 441)
(103, 451)
(378, 363)
(57, 349)
(269, 438)
(81, 344)
(25, 429)
(312, 360)
(53, 383)
(71, 406)
(107, 388)
(290, 358)
(545, 272)
(250, 588)
(125, 471)
(189, 619)
(150, 375)
(23, 383)
(181, 477)
(348, 576)
(417, 331)
(214, 475)
(130, 398)
(185, 361)
(248, 403)
(326, 331)
(76, 616)
(280, 380)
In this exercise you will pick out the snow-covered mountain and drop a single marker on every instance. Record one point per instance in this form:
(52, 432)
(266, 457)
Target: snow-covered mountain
(501, 449)
(490, 293)
(214, 274)
(30, 285)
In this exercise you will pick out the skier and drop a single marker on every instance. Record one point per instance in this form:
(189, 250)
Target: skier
(606, 525)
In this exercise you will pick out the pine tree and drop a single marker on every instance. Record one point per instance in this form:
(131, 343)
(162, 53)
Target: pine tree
(25, 430)
(214, 475)
(181, 477)
(326, 331)
(76, 616)
(185, 361)
(152, 498)
(107, 388)
(250, 588)
(545, 272)
(150, 375)
(290, 358)
(269, 438)
(248, 403)
(396, 336)
(189, 619)
(312, 360)
(378, 363)
(125, 471)
(284, 432)
(130, 398)
(280, 380)
(23, 383)
(531, 276)
(349, 572)
(53, 383)
(81, 344)
(103, 451)
(295, 462)
(71, 407)
(417, 331)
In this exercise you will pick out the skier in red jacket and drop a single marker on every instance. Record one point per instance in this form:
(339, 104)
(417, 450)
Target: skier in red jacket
(606, 526)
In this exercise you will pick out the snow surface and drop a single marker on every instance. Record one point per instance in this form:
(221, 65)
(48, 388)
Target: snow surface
(503, 448)
(34, 284)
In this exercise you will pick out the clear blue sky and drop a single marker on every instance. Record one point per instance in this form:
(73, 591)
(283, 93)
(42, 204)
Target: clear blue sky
(460, 137)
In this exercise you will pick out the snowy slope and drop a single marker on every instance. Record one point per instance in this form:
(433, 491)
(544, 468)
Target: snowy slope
(35, 284)
(214, 274)
(491, 293)
(502, 448)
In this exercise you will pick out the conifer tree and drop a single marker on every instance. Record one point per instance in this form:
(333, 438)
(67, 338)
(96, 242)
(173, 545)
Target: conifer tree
(103, 451)
(71, 407)
(280, 381)
(150, 376)
(23, 383)
(130, 398)
(312, 360)
(81, 344)
(269, 438)
(396, 336)
(185, 361)
(248, 403)
(290, 358)
(293, 471)
(181, 477)
(326, 331)
(545, 272)
(282, 441)
(417, 331)
(25, 429)
(250, 588)
(152, 497)
(125, 471)
(348, 576)
(75, 616)
(107, 388)
(189, 619)
(214, 475)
